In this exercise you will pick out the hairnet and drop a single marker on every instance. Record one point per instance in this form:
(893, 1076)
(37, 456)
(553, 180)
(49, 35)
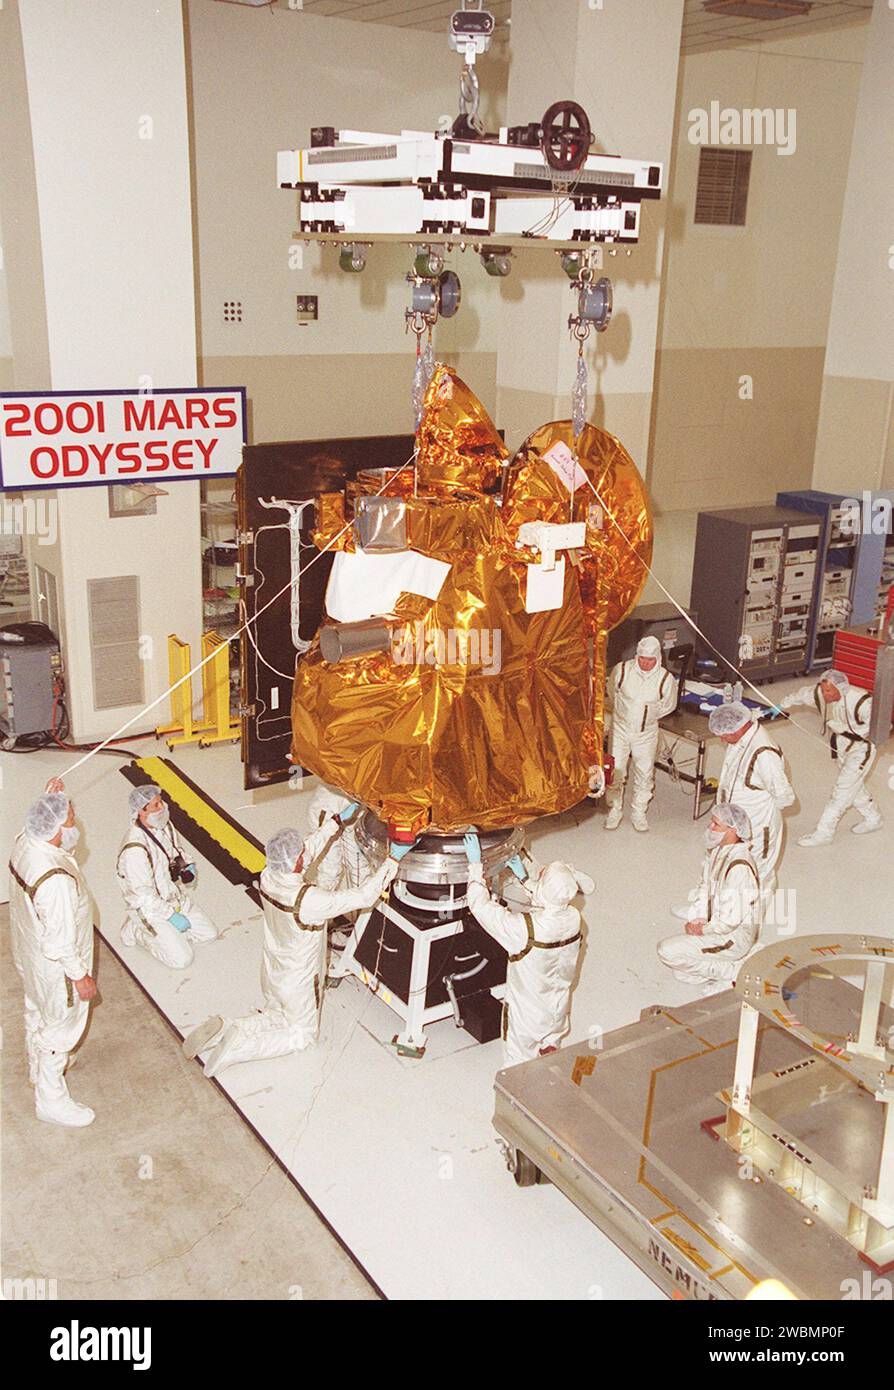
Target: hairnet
(648, 646)
(47, 816)
(140, 797)
(283, 850)
(559, 883)
(729, 718)
(836, 678)
(728, 814)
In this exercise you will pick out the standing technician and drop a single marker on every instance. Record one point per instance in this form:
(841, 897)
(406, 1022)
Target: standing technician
(846, 713)
(641, 693)
(51, 925)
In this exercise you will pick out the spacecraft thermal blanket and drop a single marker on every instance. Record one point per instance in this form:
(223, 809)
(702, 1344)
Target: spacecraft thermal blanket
(484, 704)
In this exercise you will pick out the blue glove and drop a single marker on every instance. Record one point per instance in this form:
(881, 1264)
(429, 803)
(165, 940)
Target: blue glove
(516, 867)
(472, 846)
(776, 712)
(397, 850)
(179, 922)
(344, 816)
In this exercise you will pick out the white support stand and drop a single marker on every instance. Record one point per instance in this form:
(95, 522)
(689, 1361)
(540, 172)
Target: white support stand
(882, 1208)
(867, 1043)
(745, 1054)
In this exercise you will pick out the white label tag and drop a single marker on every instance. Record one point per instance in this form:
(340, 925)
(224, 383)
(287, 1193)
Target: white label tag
(545, 588)
(565, 466)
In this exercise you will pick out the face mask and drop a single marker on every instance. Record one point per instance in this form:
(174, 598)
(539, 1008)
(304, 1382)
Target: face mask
(159, 819)
(70, 836)
(713, 838)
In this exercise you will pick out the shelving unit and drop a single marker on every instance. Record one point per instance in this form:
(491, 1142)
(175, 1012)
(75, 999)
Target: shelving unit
(850, 589)
(15, 589)
(220, 595)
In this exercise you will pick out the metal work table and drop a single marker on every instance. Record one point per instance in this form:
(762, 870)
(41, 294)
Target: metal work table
(692, 727)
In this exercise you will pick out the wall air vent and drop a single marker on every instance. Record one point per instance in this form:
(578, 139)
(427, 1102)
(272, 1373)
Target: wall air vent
(758, 9)
(114, 608)
(721, 198)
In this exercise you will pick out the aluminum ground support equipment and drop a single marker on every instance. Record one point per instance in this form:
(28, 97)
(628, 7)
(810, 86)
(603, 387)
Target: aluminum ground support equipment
(628, 1126)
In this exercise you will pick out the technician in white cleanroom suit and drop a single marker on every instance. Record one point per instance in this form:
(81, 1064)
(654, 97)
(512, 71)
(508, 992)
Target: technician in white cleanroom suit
(725, 914)
(293, 967)
(342, 865)
(753, 777)
(543, 947)
(641, 693)
(846, 712)
(51, 926)
(155, 879)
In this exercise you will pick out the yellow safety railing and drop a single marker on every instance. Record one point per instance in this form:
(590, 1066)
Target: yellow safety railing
(217, 724)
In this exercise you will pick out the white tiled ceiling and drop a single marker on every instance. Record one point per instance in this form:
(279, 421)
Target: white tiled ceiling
(700, 29)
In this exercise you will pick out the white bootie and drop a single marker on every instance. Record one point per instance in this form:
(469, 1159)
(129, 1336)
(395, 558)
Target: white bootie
(639, 821)
(128, 934)
(200, 1037)
(614, 817)
(816, 837)
(66, 1112)
(223, 1052)
(866, 827)
(52, 1103)
(257, 1038)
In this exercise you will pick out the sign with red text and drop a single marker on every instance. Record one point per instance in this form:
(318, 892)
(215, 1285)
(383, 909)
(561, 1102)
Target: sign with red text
(83, 438)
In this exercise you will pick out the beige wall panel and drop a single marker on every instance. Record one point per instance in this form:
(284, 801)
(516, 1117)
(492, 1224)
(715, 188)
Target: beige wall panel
(853, 433)
(768, 283)
(259, 80)
(712, 449)
(325, 397)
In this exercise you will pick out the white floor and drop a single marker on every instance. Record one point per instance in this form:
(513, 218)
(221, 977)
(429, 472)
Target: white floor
(400, 1155)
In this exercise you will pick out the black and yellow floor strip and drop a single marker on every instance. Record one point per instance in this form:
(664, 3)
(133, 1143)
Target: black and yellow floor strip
(204, 824)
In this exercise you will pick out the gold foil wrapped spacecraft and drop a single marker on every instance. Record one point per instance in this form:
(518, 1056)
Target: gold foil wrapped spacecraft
(481, 713)
(458, 443)
(535, 491)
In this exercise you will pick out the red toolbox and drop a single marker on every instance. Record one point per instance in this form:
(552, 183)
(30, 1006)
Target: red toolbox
(856, 653)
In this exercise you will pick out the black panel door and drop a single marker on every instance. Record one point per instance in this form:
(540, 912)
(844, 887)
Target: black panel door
(292, 472)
